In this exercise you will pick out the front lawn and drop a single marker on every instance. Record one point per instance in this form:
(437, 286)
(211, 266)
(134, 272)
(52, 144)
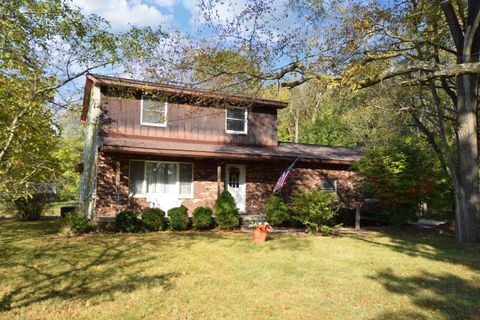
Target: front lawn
(214, 275)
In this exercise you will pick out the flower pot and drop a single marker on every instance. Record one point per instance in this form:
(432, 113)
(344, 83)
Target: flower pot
(259, 235)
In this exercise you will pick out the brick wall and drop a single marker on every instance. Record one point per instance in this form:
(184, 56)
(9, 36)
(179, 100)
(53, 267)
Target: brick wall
(113, 171)
(261, 179)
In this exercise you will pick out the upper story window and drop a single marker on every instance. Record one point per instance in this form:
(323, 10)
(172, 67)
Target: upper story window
(236, 120)
(153, 111)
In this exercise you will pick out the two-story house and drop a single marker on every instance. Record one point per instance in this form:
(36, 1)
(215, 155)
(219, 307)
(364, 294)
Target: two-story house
(157, 145)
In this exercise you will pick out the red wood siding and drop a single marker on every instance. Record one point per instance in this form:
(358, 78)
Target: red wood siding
(187, 122)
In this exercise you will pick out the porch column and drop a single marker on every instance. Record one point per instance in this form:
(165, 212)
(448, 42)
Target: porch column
(357, 215)
(219, 178)
(117, 187)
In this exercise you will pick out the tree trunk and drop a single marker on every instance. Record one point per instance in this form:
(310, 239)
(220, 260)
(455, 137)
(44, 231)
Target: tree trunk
(467, 197)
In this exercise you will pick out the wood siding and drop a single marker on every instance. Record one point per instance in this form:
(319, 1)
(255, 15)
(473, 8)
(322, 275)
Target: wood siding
(121, 117)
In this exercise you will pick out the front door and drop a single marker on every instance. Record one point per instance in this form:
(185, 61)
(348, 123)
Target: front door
(235, 181)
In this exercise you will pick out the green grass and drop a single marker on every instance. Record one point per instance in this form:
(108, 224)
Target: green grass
(213, 275)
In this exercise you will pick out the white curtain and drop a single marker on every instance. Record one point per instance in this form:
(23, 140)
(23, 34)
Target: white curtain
(161, 177)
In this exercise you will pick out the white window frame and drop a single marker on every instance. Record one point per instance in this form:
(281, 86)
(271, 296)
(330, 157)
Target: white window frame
(245, 131)
(177, 183)
(143, 123)
(329, 190)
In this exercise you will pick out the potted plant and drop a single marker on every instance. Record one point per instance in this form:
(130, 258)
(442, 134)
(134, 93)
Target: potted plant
(260, 231)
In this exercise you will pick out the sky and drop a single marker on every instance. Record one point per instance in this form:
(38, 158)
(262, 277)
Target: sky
(183, 15)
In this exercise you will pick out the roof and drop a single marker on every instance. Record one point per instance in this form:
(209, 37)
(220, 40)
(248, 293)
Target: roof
(102, 80)
(284, 150)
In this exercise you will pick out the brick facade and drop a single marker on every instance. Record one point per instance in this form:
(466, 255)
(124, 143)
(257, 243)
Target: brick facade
(113, 181)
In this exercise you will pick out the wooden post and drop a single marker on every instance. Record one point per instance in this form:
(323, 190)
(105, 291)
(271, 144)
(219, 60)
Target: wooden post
(117, 186)
(219, 178)
(357, 215)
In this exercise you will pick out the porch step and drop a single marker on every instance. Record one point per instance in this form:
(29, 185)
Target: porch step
(248, 219)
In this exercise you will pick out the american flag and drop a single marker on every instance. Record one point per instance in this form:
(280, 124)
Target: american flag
(283, 178)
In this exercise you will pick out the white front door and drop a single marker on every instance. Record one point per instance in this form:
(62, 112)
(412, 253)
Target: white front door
(235, 182)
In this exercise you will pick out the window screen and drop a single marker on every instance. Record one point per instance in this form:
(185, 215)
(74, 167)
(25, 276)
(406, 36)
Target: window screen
(186, 179)
(236, 120)
(328, 185)
(154, 111)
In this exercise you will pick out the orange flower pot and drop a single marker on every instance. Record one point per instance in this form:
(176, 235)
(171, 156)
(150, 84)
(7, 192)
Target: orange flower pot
(259, 235)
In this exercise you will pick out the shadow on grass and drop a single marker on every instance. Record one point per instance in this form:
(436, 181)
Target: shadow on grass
(447, 295)
(50, 267)
(436, 247)
(44, 266)
(235, 239)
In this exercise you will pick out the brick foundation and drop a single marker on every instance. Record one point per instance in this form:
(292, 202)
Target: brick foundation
(113, 172)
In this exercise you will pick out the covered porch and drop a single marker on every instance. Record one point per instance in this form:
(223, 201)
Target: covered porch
(135, 174)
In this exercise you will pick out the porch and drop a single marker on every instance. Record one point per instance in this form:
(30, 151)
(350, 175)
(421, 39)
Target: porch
(134, 182)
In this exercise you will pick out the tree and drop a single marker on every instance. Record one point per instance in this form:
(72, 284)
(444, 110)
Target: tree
(45, 46)
(401, 177)
(429, 47)
(68, 154)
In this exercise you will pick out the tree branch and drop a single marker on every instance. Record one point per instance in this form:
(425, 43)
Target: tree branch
(454, 25)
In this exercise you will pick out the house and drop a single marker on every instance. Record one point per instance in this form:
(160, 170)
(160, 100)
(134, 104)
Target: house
(156, 145)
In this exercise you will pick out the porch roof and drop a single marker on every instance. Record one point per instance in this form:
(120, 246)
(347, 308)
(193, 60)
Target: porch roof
(284, 150)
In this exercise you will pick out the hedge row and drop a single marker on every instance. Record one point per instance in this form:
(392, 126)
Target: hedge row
(153, 219)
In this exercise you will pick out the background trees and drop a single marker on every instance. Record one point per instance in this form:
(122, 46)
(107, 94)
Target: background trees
(45, 46)
(430, 49)
(356, 73)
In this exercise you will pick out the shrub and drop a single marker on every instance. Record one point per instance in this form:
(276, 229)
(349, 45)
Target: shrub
(336, 229)
(178, 218)
(315, 208)
(402, 177)
(106, 226)
(29, 207)
(127, 221)
(77, 223)
(152, 219)
(226, 211)
(325, 230)
(202, 218)
(277, 211)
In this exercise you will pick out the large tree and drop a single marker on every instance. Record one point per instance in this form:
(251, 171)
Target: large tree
(429, 47)
(44, 47)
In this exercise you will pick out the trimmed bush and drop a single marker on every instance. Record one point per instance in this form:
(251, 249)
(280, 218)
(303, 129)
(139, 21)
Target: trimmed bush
(127, 221)
(325, 230)
(178, 218)
(77, 223)
(152, 219)
(202, 218)
(226, 211)
(277, 211)
(29, 207)
(315, 208)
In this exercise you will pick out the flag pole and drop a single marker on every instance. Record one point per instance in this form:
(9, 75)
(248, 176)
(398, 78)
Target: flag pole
(283, 178)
